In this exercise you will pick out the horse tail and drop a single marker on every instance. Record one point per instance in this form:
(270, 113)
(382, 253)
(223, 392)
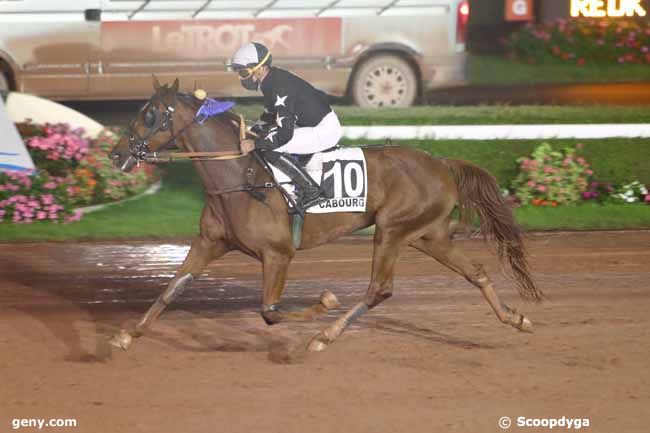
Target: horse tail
(479, 195)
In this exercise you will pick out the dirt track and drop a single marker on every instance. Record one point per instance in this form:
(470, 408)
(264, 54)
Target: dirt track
(432, 359)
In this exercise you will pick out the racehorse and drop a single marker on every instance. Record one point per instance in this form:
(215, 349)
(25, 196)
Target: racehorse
(411, 196)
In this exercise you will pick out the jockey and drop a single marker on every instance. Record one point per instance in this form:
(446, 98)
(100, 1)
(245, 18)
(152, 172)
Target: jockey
(297, 118)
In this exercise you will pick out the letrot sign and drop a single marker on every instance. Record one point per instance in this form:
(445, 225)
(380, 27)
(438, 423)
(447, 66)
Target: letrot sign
(607, 8)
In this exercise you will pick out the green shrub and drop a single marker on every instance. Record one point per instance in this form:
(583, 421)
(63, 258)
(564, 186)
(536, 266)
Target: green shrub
(551, 177)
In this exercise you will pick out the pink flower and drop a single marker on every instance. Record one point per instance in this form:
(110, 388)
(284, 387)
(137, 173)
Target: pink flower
(647, 198)
(50, 185)
(41, 215)
(589, 172)
(75, 217)
(541, 188)
(530, 183)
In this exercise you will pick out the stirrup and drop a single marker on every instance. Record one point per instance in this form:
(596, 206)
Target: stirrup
(302, 205)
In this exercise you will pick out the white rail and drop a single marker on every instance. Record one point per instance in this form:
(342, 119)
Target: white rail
(498, 132)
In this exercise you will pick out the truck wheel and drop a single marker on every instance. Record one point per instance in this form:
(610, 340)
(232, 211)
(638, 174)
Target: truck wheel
(384, 81)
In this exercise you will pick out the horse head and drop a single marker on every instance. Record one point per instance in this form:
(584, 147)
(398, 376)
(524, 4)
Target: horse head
(152, 130)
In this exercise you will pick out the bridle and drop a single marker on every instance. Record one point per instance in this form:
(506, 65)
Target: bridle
(139, 146)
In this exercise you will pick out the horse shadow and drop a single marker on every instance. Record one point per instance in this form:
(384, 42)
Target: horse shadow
(194, 327)
(400, 327)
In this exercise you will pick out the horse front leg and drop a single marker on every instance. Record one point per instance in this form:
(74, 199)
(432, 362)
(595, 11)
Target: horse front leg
(201, 253)
(275, 267)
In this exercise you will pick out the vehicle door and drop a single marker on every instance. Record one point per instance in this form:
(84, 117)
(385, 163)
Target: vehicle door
(51, 43)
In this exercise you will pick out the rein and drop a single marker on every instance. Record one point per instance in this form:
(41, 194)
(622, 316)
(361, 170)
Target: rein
(155, 157)
(140, 151)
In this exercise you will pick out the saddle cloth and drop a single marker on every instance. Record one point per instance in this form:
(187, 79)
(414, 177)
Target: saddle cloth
(343, 176)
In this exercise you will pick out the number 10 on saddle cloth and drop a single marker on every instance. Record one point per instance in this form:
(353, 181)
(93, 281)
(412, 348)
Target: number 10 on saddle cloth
(342, 174)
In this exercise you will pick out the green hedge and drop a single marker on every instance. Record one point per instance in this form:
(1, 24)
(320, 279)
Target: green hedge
(613, 160)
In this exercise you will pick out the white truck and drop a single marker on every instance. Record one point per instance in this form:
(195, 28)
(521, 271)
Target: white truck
(377, 52)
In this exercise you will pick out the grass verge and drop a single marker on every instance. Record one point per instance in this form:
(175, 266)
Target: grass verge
(588, 216)
(479, 115)
(175, 210)
(493, 70)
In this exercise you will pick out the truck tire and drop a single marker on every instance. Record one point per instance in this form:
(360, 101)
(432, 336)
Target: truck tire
(384, 81)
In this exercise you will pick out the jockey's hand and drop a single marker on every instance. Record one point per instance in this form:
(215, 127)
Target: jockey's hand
(247, 146)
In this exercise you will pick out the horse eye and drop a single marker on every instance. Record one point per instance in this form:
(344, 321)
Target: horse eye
(149, 118)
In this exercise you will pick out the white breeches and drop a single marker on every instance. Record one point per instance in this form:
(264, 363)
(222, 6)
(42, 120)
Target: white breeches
(315, 139)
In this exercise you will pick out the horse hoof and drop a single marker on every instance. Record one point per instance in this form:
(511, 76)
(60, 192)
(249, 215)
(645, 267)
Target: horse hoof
(121, 340)
(329, 300)
(317, 344)
(525, 325)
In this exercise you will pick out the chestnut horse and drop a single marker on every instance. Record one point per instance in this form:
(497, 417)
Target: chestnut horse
(411, 196)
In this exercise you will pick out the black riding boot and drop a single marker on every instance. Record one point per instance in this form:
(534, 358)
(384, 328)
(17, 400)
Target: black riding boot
(309, 192)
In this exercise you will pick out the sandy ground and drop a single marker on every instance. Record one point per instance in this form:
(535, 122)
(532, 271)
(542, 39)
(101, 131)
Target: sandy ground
(431, 359)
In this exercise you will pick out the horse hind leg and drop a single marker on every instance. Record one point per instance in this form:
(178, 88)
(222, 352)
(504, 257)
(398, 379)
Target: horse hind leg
(440, 247)
(386, 251)
(201, 253)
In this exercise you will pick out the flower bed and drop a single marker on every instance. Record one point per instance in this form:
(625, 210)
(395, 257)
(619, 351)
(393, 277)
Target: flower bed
(72, 171)
(553, 177)
(582, 42)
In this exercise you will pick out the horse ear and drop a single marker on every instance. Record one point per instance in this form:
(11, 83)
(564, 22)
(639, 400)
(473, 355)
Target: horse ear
(156, 83)
(174, 88)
